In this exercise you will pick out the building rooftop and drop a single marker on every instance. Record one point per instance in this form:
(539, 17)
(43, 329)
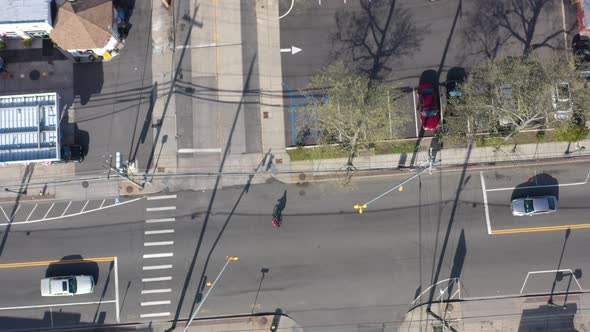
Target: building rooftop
(29, 128)
(20, 11)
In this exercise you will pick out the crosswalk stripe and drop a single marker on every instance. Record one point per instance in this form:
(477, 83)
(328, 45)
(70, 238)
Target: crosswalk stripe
(152, 198)
(157, 267)
(156, 291)
(160, 208)
(164, 254)
(148, 303)
(160, 231)
(151, 221)
(160, 243)
(156, 279)
(155, 314)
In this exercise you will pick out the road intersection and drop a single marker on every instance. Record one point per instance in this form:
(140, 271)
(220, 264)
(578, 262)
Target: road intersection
(328, 267)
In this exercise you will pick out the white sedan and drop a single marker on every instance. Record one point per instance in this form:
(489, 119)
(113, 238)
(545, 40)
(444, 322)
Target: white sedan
(67, 286)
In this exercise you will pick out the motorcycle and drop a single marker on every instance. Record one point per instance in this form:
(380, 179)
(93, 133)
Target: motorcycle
(276, 216)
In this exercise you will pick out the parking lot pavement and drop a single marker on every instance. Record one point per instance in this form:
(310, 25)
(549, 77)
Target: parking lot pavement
(38, 211)
(21, 304)
(499, 188)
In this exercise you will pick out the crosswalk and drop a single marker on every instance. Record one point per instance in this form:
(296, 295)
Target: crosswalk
(157, 257)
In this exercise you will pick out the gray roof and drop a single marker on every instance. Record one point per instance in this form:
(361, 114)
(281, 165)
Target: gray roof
(19, 11)
(29, 128)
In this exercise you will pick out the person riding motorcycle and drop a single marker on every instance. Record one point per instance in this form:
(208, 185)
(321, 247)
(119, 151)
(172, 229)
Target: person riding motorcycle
(276, 216)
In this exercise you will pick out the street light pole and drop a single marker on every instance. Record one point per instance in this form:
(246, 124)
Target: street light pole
(227, 260)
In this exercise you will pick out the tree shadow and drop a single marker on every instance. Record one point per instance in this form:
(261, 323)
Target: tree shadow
(539, 185)
(494, 24)
(369, 40)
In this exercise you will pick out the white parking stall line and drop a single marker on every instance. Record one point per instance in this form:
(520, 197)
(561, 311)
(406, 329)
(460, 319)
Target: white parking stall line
(160, 231)
(84, 206)
(33, 210)
(415, 111)
(47, 213)
(55, 305)
(149, 303)
(165, 254)
(156, 279)
(156, 314)
(101, 204)
(156, 291)
(15, 211)
(485, 203)
(157, 267)
(7, 219)
(160, 243)
(152, 198)
(151, 221)
(66, 209)
(160, 208)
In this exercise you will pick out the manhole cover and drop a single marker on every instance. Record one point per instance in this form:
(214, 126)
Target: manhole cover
(85, 184)
(129, 189)
(301, 176)
(34, 75)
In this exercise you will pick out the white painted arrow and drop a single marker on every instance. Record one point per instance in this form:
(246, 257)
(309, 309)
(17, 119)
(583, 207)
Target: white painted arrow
(292, 50)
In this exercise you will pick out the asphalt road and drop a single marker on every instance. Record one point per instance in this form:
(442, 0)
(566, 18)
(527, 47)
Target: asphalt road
(329, 268)
(111, 108)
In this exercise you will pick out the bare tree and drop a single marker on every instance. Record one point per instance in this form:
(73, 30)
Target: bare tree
(372, 37)
(359, 111)
(506, 96)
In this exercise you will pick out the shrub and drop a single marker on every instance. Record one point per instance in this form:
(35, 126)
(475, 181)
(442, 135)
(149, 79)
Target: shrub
(571, 133)
(27, 42)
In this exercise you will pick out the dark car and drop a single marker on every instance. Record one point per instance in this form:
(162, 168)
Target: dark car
(428, 105)
(455, 77)
(581, 50)
(73, 153)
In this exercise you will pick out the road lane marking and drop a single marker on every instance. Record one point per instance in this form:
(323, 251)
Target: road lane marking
(156, 279)
(68, 216)
(156, 291)
(84, 207)
(51, 207)
(160, 208)
(161, 231)
(156, 314)
(151, 221)
(166, 254)
(540, 186)
(68, 261)
(101, 204)
(539, 229)
(152, 198)
(485, 203)
(66, 209)
(55, 305)
(160, 243)
(7, 219)
(33, 210)
(149, 303)
(157, 267)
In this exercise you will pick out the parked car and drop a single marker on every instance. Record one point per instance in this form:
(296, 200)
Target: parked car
(67, 286)
(455, 77)
(581, 50)
(428, 106)
(561, 99)
(531, 206)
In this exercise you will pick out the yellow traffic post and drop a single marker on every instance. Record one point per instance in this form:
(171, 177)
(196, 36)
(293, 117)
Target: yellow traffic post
(360, 207)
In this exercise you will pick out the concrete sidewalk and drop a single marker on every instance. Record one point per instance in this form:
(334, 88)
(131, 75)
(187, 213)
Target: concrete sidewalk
(532, 313)
(260, 323)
